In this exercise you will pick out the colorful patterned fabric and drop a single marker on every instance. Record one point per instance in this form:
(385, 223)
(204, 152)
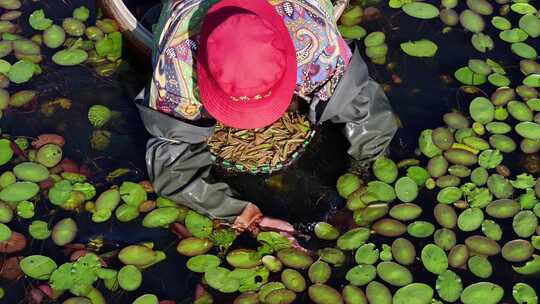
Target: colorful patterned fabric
(321, 53)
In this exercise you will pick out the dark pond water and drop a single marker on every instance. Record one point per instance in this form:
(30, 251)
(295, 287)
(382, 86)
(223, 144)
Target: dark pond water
(301, 194)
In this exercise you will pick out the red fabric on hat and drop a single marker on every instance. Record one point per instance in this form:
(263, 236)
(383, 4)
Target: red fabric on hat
(245, 51)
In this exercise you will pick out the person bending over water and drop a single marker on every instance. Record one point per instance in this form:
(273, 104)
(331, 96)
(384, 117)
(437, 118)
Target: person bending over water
(241, 63)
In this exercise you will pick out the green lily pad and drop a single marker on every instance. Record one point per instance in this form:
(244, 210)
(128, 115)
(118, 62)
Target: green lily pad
(200, 226)
(524, 50)
(499, 80)
(420, 229)
(472, 21)
(482, 42)
(532, 267)
(426, 144)
(353, 238)
(203, 263)
(490, 159)
(524, 223)
(406, 189)
(501, 23)
(523, 8)
(219, 279)
(21, 72)
(274, 240)
(419, 48)
(361, 275)
(415, 293)
(449, 286)
(496, 67)
(70, 57)
(449, 195)
(385, 170)
(482, 110)
(421, 10)
(129, 278)
(470, 219)
(532, 80)
(381, 191)
(367, 254)
(524, 181)
(479, 66)
(480, 266)
(110, 46)
(418, 174)
(38, 267)
(352, 32)
(434, 259)
(466, 76)
(530, 23)
(482, 292)
(513, 35)
(492, 230)
(38, 21)
(523, 293)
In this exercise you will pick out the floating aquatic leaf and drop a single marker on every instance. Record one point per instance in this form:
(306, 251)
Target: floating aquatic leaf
(129, 278)
(479, 197)
(81, 13)
(406, 189)
(470, 219)
(490, 159)
(434, 259)
(524, 50)
(361, 275)
(367, 254)
(480, 266)
(471, 21)
(532, 267)
(38, 266)
(482, 292)
(419, 48)
(38, 21)
(524, 181)
(513, 35)
(524, 223)
(466, 76)
(421, 10)
(492, 230)
(21, 72)
(219, 278)
(250, 279)
(70, 57)
(524, 294)
(449, 286)
(501, 23)
(223, 238)
(203, 263)
(426, 145)
(498, 80)
(530, 23)
(352, 32)
(381, 191)
(110, 46)
(482, 110)
(479, 66)
(449, 195)
(523, 8)
(532, 80)
(199, 225)
(482, 42)
(347, 184)
(418, 174)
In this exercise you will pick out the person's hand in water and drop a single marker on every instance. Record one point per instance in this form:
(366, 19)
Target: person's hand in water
(253, 221)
